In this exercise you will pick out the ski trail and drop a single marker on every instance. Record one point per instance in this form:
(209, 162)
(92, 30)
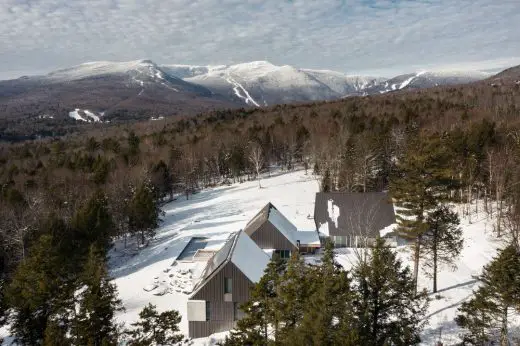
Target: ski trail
(409, 80)
(237, 87)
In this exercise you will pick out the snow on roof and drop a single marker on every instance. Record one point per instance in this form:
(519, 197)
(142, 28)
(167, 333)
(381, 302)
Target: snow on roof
(388, 229)
(307, 237)
(324, 229)
(282, 224)
(249, 258)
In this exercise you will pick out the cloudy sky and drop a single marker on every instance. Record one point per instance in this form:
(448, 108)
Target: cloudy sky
(382, 37)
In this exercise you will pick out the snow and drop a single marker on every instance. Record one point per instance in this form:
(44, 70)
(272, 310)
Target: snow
(387, 230)
(249, 258)
(333, 211)
(89, 116)
(454, 286)
(238, 88)
(213, 213)
(98, 68)
(307, 237)
(216, 213)
(409, 80)
(281, 223)
(324, 229)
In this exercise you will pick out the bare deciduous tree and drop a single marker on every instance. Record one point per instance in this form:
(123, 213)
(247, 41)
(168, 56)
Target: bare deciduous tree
(256, 158)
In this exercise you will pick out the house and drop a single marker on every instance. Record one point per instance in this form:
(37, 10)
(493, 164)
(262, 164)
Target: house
(272, 231)
(353, 219)
(224, 285)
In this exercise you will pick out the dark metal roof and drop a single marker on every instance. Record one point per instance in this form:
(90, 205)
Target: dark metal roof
(359, 213)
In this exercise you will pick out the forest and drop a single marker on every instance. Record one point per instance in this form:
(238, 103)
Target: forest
(64, 200)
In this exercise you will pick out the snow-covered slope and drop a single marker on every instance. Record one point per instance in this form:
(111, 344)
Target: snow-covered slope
(426, 79)
(344, 84)
(148, 276)
(261, 83)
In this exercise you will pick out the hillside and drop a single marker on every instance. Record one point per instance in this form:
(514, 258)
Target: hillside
(46, 105)
(215, 213)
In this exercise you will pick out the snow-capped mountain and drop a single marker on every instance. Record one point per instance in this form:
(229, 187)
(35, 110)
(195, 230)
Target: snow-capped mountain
(261, 83)
(143, 89)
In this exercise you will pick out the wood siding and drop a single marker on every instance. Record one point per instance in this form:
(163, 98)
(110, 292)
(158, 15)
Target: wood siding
(269, 237)
(222, 313)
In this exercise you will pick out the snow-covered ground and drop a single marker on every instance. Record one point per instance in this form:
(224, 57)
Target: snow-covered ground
(153, 274)
(215, 213)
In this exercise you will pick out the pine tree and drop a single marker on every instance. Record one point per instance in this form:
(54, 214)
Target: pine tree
(144, 212)
(422, 180)
(293, 296)
(38, 290)
(155, 328)
(94, 322)
(443, 241)
(486, 316)
(328, 318)
(388, 310)
(261, 310)
(56, 335)
(92, 224)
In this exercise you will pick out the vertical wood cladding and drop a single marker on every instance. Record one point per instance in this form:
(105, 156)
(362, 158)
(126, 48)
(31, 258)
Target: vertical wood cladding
(269, 237)
(222, 313)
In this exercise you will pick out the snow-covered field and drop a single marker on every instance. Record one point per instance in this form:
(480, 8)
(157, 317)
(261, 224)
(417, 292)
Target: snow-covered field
(215, 213)
(150, 276)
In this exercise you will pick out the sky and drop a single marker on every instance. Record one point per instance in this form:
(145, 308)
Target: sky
(374, 37)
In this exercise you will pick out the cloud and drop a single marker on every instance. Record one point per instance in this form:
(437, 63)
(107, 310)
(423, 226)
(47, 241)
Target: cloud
(353, 36)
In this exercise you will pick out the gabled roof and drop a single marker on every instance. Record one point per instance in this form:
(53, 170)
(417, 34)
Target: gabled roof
(270, 213)
(243, 252)
(350, 213)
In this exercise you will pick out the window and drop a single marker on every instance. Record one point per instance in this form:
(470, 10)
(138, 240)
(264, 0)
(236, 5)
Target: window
(228, 285)
(208, 311)
(284, 254)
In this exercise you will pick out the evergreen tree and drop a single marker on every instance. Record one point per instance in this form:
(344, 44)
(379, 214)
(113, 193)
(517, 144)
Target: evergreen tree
(261, 310)
(143, 212)
(56, 334)
(92, 224)
(443, 241)
(486, 316)
(328, 318)
(39, 289)
(155, 328)
(422, 180)
(293, 296)
(97, 304)
(388, 309)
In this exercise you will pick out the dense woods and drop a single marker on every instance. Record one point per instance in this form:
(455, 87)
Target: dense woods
(64, 200)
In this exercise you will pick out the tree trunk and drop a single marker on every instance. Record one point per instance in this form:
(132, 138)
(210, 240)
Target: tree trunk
(504, 340)
(416, 257)
(435, 261)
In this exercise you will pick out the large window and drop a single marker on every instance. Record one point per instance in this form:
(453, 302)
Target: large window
(339, 241)
(208, 310)
(228, 285)
(284, 254)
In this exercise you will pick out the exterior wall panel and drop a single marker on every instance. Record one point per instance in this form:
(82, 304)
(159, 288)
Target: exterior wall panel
(222, 313)
(269, 237)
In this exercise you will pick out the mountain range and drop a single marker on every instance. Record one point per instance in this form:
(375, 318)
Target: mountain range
(103, 91)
